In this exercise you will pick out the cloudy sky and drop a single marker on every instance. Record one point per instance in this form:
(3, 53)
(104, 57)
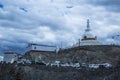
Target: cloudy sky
(55, 21)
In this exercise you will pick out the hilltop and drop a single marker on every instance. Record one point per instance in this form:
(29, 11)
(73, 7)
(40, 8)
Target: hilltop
(91, 54)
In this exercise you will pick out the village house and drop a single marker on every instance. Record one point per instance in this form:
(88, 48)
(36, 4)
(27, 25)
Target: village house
(11, 57)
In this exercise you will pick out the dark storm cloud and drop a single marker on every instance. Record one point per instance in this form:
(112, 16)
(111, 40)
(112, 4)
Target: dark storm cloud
(112, 5)
(1, 5)
(17, 47)
(13, 43)
(23, 9)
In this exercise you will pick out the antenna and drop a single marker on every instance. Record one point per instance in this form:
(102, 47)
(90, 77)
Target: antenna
(88, 24)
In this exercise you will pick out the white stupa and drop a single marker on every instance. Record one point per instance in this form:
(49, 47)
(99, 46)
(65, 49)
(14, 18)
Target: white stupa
(88, 37)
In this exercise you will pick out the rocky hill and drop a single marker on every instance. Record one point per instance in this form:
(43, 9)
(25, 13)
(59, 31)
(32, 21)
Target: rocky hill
(85, 54)
(91, 54)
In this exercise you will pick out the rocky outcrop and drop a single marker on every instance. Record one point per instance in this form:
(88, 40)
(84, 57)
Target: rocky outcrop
(42, 72)
(91, 54)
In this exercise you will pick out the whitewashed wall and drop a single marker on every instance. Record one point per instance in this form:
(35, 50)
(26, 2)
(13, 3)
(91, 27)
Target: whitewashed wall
(43, 48)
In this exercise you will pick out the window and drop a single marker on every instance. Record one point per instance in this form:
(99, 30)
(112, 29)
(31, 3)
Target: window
(35, 47)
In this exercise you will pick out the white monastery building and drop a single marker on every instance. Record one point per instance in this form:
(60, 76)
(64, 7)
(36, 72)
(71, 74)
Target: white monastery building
(40, 47)
(39, 52)
(88, 38)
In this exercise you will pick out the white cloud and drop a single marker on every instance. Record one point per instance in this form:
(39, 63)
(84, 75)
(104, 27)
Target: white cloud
(53, 21)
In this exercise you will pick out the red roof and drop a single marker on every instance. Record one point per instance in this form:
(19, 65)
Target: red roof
(40, 51)
(9, 53)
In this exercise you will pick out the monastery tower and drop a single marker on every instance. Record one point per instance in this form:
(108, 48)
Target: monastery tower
(88, 37)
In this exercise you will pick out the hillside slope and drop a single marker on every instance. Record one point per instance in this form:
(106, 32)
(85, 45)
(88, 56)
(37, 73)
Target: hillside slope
(86, 54)
(91, 54)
